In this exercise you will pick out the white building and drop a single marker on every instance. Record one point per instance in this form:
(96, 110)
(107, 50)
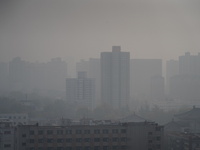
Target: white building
(115, 77)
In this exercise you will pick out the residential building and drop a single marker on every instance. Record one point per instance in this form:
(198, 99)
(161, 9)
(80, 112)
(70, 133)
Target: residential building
(93, 69)
(6, 135)
(146, 79)
(183, 141)
(80, 91)
(172, 69)
(186, 85)
(117, 136)
(115, 78)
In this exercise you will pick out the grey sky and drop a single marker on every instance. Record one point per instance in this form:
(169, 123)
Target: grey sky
(42, 29)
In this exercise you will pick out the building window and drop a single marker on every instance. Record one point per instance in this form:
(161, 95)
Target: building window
(105, 131)
(158, 128)
(123, 130)
(97, 148)
(23, 144)
(87, 140)
(7, 132)
(158, 146)
(60, 148)
(87, 131)
(150, 141)
(49, 132)
(78, 132)
(68, 131)
(105, 139)
(40, 140)
(31, 132)
(32, 148)
(40, 132)
(49, 140)
(60, 140)
(32, 140)
(23, 135)
(96, 131)
(59, 132)
(115, 147)
(78, 140)
(123, 139)
(105, 148)
(50, 148)
(115, 139)
(123, 147)
(96, 139)
(79, 148)
(87, 148)
(7, 145)
(68, 140)
(158, 138)
(115, 131)
(150, 133)
(68, 148)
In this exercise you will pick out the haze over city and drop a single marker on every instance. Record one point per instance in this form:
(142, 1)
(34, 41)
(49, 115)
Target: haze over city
(73, 29)
(99, 75)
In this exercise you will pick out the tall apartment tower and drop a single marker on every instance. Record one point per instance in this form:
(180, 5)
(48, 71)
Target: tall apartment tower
(80, 90)
(115, 78)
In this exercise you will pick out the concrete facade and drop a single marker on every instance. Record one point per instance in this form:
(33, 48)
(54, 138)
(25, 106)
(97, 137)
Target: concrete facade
(115, 78)
(119, 136)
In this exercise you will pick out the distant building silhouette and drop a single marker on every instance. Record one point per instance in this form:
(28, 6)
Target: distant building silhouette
(186, 85)
(80, 91)
(93, 69)
(172, 69)
(115, 77)
(19, 75)
(146, 79)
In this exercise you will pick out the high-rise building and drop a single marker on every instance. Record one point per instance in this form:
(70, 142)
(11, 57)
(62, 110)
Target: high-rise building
(115, 77)
(80, 90)
(93, 69)
(19, 75)
(146, 79)
(186, 85)
(172, 69)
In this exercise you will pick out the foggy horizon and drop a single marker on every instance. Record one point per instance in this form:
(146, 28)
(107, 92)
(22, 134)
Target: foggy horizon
(41, 30)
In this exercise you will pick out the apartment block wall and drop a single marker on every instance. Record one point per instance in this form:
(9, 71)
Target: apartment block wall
(121, 136)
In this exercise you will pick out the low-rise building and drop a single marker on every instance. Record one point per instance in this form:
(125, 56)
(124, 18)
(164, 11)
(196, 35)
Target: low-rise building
(183, 141)
(6, 135)
(120, 136)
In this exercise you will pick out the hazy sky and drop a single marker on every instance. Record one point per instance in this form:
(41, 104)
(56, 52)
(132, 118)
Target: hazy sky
(38, 30)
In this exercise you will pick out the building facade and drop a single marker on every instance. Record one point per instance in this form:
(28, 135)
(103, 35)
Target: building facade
(146, 79)
(93, 69)
(6, 135)
(115, 78)
(118, 136)
(80, 91)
